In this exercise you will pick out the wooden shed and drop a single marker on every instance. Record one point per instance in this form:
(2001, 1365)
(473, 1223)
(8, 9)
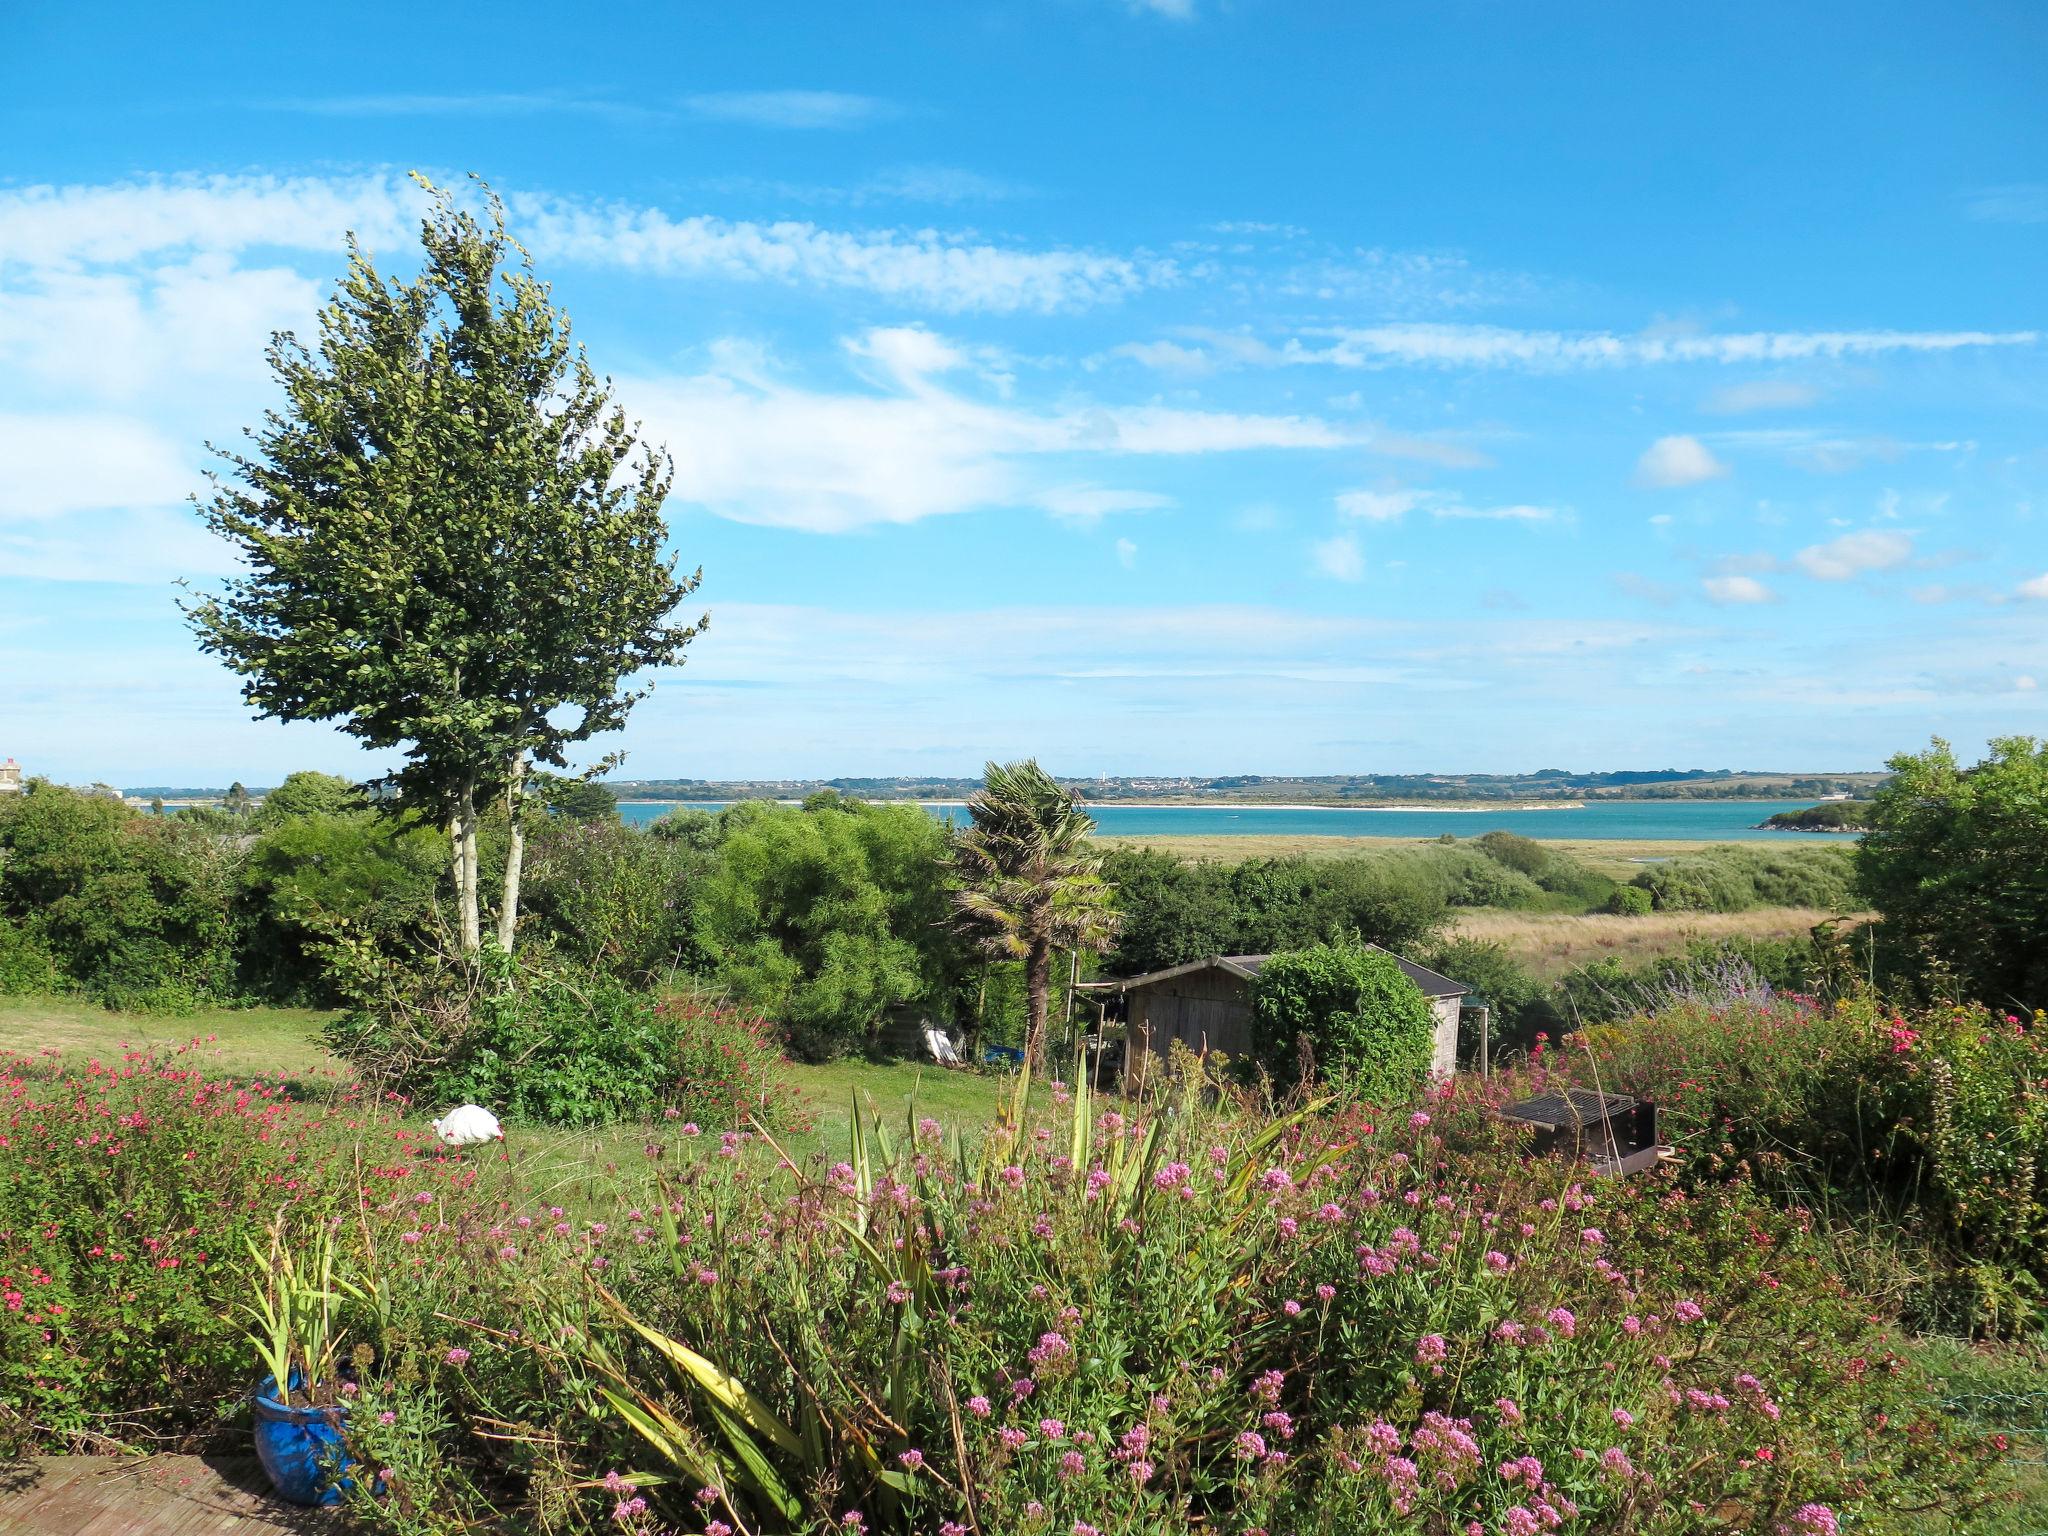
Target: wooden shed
(1207, 1006)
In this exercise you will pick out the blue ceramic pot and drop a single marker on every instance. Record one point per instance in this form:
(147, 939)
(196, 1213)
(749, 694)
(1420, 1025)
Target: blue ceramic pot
(301, 1448)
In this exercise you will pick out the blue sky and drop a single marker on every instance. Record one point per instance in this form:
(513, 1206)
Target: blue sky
(1182, 385)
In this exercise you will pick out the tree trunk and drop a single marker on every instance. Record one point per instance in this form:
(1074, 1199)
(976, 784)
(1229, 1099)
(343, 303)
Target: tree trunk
(466, 896)
(515, 855)
(1037, 987)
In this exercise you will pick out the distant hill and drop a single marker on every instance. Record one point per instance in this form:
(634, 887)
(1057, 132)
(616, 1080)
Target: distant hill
(1550, 784)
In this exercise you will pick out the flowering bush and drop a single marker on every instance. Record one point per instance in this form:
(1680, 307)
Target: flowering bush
(126, 1196)
(1132, 1321)
(1121, 1317)
(1938, 1116)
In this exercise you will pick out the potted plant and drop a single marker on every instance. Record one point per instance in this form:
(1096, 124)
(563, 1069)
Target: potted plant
(299, 1405)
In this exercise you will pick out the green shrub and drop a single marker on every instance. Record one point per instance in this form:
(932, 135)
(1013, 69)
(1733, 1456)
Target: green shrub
(1933, 1122)
(614, 898)
(1630, 901)
(138, 911)
(1367, 1029)
(26, 968)
(828, 918)
(1742, 877)
(1520, 1003)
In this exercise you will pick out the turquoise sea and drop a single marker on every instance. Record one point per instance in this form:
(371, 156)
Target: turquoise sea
(1656, 820)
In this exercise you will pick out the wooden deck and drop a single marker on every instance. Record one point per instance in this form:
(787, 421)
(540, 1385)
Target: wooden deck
(148, 1496)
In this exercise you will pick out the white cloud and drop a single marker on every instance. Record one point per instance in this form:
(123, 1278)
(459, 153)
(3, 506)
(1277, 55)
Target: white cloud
(1126, 553)
(2035, 587)
(790, 109)
(1737, 590)
(755, 448)
(1174, 10)
(1167, 357)
(1340, 557)
(50, 229)
(2025, 683)
(1676, 461)
(1487, 346)
(1855, 554)
(1382, 506)
(56, 465)
(1089, 503)
(152, 547)
(1391, 506)
(1760, 395)
(1513, 514)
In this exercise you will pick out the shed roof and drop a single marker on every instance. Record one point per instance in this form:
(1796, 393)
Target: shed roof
(1428, 982)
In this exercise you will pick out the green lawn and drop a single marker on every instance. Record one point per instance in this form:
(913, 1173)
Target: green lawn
(285, 1043)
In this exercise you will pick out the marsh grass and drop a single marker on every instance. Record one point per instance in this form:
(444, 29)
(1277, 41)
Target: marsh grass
(1551, 943)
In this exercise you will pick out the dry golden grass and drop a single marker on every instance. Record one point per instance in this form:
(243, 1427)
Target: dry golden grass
(1549, 943)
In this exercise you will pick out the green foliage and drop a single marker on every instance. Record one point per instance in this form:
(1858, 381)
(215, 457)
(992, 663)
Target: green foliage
(306, 793)
(538, 1043)
(800, 1343)
(1173, 912)
(1521, 1004)
(1933, 1121)
(1956, 862)
(615, 899)
(136, 910)
(1028, 880)
(1630, 901)
(1828, 816)
(453, 403)
(1741, 877)
(577, 799)
(827, 918)
(127, 1195)
(1366, 1028)
(318, 876)
(26, 968)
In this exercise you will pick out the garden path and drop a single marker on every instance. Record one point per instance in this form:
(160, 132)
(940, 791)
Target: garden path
(147, 1496)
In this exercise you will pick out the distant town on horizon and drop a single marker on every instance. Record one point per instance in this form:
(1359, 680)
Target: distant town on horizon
(1247, 788)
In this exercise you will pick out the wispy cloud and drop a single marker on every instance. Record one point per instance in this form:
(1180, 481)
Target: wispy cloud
(755, 447)
(1760, 395)
(2020, 202)
(1392, 506)
(1675, 461)
(1737, 591)
(2035, 587)
(1855, 554)
(60, 464)
(1339, 557)
(473, 104)
(791, 109)
(1485, 346)
(70, 228)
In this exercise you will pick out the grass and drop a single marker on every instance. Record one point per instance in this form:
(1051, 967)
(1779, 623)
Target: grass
(1998, 1389)
(270, 1042)
(1550, 943)
(285, 1043)
(1619, 858)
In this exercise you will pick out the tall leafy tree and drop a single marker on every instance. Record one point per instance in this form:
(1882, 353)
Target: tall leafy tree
(453, 536)
(1956, 862)
(1030, 880)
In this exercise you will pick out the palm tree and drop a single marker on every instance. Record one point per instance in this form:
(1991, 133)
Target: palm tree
(1030, 881)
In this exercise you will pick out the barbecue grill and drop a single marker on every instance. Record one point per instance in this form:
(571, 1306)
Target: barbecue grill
(1612, 1133)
